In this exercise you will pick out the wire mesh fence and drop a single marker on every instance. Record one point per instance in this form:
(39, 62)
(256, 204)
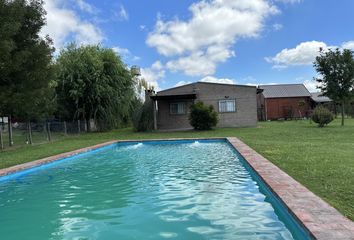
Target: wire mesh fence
(21, 133)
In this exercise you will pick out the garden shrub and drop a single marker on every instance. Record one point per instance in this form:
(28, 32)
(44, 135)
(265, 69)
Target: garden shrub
(322, 116)
(202, 117)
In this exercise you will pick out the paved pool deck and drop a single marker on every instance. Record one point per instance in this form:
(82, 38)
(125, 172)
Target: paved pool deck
(322, 221)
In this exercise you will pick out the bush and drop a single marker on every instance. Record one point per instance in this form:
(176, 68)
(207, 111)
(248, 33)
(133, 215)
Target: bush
(202, 117)
(322, 116)
(143, 118)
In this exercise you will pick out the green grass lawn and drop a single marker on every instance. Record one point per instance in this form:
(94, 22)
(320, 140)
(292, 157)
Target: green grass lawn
(320, 159)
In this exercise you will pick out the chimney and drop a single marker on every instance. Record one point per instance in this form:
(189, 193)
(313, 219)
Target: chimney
(148, 94)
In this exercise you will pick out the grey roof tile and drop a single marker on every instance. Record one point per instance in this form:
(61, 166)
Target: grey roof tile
(285, 90)
(317, 97)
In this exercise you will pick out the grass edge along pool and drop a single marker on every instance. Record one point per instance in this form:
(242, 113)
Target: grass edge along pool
(292, 224)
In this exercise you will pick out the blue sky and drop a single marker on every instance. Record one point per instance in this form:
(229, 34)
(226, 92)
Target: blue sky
(231, 41)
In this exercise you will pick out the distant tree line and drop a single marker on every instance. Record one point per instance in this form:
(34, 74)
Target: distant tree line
(88, 83)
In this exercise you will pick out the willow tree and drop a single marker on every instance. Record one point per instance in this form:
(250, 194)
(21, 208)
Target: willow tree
(94, 84)
(336, 70)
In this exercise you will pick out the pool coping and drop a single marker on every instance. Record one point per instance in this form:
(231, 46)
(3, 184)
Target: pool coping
(321, 220)
(43, 161)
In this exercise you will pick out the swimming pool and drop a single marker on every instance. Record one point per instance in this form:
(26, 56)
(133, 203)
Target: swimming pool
(144, 190)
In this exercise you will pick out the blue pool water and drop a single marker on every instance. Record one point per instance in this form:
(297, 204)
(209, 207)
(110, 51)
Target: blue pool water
(151, 190)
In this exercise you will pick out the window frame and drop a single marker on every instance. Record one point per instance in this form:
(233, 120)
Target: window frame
(178, 103)
(227, 100)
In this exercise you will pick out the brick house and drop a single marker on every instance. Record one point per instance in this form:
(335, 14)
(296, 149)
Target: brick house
(284, 101)
(236, 104)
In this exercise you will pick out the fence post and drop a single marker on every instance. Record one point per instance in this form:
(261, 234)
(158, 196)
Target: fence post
(85, 127)
(78, 126)
(65, 129)
(9, 124)
(29, 132)
(48, 132)
(1, 140)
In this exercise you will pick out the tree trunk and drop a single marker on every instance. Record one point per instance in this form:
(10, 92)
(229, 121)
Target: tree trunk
(343, 113)
(11, 140)
(335, 110)
(29, 133)
(78, 126)
(65, 129)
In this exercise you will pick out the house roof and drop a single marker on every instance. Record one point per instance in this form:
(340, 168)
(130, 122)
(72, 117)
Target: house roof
(285, 91)
(319, 98)
(201, 82)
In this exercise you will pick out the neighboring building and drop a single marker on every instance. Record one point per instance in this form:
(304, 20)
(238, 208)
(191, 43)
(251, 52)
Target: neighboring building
(235, 104)
(318, 98)
(285, 101)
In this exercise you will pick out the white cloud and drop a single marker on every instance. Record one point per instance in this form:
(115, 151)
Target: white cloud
(84, 6)
(257, 84)
(153, 74)
(157, 66)
(125, 54)
(277, 27)
(181, 83)
(121, 51)
(348, 45)
(311, 85)
(122, 14)
(289, 1)
(212, 79)
(206, 39)
(64, 25)
(200, 63)
(252, 84)
(249, 79)
(303, 54)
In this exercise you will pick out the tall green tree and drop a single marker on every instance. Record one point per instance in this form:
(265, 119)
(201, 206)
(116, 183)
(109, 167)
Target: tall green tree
(336, 70)
(26, 71)
(93, 83)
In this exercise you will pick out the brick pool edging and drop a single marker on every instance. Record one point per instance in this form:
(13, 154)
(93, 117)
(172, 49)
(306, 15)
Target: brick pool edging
(321, 220)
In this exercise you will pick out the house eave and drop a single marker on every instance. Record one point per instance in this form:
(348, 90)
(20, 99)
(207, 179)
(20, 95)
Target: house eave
(174, 97)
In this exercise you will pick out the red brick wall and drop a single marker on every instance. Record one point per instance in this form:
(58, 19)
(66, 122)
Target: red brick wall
(287, 107)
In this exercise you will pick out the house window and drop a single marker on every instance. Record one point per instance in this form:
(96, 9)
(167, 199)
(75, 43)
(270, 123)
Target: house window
(227, 106)
(178, 108)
